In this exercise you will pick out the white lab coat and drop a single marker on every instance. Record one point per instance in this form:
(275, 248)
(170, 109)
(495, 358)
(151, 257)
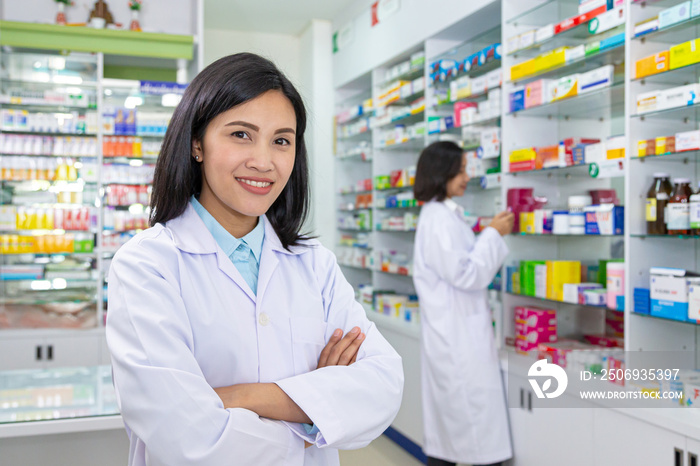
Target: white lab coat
(182, 320)
(464, 407)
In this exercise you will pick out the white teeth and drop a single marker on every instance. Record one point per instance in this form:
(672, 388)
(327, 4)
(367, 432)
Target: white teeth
(257, 184)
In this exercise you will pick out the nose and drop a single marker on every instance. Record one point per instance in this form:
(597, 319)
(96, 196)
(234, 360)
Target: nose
(260, 159)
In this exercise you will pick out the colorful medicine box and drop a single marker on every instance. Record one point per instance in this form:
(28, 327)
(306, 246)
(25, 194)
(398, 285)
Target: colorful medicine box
(687, 140)
(605, 219)
(522, 159)
(516, 100)
(565, 87)
(522, 70)
(669, 293)
(684, 54)
(674, 14)
(596, 79)
(653, 64)
(536, 93)
(665, 145)
(559, 273)
(574, 292)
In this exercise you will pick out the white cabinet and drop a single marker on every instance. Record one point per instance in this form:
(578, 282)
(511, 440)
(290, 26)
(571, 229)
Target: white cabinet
(49, 351)
(621, 439)
(546, 435)
(692, 452)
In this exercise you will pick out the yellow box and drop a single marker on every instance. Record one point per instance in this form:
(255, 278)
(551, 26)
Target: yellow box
(523, 155)
(642, 148)
(560, 273)
(550, 60)
(685, 54)
(527, 223)
(522, 70)
(612, 154)
(657, 63)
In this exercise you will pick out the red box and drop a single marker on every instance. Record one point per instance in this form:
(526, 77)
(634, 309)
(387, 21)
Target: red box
(605, 341)
(567, 145)
(522, 166)
(580, 19)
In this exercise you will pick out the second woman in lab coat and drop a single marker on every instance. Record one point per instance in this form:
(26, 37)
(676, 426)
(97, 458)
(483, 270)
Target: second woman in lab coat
(225, 324)
(464, 406)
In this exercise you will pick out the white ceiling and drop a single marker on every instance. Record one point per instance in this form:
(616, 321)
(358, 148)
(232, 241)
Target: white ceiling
(271, 16)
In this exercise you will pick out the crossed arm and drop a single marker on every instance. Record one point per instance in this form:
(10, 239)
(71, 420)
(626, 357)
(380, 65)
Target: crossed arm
(270, 401)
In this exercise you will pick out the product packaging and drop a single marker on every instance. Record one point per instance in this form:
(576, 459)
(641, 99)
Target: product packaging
(596, 79)
(615, 147)
(517, 99)
(657, 63)
(688, 140)
(684, 54)
(565, 87)
(615, 283)
(646, 26)
(605, 219)
(544, 33)
(559, 273)
(674, 14)
(574, 292)
(665, 145)
(596, 297)
(522, 159)
(522, 70)
(535, 93)
(606, 21)
(669, 292)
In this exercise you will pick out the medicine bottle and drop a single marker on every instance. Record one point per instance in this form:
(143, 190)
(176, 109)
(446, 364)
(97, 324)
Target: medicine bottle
(657, 198)
(695, 213)
(678, 209)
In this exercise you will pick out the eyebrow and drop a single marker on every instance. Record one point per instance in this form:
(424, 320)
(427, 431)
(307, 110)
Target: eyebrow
(256, 128)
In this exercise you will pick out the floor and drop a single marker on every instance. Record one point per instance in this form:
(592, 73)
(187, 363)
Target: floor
(381, 452)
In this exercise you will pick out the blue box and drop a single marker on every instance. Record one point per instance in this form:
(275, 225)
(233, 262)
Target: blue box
(605, 219)
(579, 154)
(669, 310)
(613, 41)
(517, 100)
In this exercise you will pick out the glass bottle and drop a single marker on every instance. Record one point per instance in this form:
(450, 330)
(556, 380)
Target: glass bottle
(657, 198)
(678, 208)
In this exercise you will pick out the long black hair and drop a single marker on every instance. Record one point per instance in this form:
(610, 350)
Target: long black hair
(438, 164)
(226, 83)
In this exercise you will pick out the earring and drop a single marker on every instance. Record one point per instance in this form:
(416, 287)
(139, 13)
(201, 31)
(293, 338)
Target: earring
(196, 157)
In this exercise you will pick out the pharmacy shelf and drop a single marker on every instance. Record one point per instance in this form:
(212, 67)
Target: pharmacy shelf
(675, 113)
(577, 35)
(353, 266)
(403, 273)
(602, 103)
(673, 157)
(407, 119)
(355, 158)
(669, 237)
(45, 232)
(414, 73)
(675, 77)
(390, 230)
(355, 209)
(448, 105)
(356, 137)
(47, 133)
(398, 207)
(124, 160)
(356, 246)
(21, 103)
(404, 144)
(356, 117)
(354, 230)
(385, 322)
(51, 156)
(562, 236)
(545, 13)
(395, 189)
(560, 302)
(610, 56)
(572, 171)
(353, 193)
(486, 122)
(649, 316)
(675, 34)
(472, 73)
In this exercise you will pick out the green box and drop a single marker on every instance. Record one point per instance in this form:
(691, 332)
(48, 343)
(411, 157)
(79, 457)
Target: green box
(527, 276)
(603, 270)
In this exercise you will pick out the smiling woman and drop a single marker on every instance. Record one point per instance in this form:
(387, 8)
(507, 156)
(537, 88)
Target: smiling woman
(234, 336)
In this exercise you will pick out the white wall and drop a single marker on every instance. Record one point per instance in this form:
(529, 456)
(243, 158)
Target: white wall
(282, 49)
(316, 87)
(415, 21)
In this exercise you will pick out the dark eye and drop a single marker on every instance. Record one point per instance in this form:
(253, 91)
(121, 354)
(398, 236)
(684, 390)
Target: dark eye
(240, 135)
(282, 142)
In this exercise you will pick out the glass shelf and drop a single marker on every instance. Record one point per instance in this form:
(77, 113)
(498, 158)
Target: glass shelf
(400, 274)
(649, 316)
(355, 158)
(612, 56)
(566, 172)
(548, 12)
(356, 117)
(66, 393)
(675, 34)
(414, 73)
(405, 100)
(603, 103)
(380, 230)
(470, 98)
(47, 133)
(398, 208)
(16, 102)
(356, 137)
(656, 3)
(406, 119)
(395, 189)
(354, 193)
(357, 209)
(486, 122)
(578, 35)
(560, 302)
(677, 77)
(354, 230)
(675, 157)
(356, 246)
(643, 236)
(530, 235)
(352, 266)
(682, 113)
(127, 160)
(408, 144)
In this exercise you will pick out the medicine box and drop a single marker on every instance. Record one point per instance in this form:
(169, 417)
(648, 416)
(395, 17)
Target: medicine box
(536, 93)
(574, 292)
(674, 14)
(585, 6)
(574, 53)
(646, 26)
(544, 33)
(606, 21)
(541, 280)
(527, 271)
(687, 140)
(522, 70)
(522, 159)
(684, 54)
(549, 60)
(615, 147)
(665, 145)
(649, 102)
(669, 293)
(517, 99)
(613, 41)
(595, 153)
(657, 63)
(596, 297)
(605, 219)
(596, 79)
(681, 96)
(559, 273)
(565, 87)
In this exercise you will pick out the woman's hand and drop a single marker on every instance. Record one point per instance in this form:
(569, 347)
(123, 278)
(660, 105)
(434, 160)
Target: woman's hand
(503, 222)
(341, 351)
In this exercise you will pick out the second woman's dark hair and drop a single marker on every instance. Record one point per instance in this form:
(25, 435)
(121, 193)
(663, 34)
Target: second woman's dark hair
(438, 163)
(226, 83)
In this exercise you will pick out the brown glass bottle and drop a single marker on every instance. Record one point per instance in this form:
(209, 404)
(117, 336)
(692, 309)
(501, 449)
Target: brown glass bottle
(657, 198)
(678, 209)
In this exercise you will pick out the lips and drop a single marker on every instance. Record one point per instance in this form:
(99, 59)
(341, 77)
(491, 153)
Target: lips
(256, 185)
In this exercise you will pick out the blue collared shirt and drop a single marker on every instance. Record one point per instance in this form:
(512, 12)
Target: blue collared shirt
(244, 252)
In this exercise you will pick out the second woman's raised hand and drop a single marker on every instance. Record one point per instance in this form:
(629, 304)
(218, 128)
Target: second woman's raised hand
(341, 351)
(503, 222)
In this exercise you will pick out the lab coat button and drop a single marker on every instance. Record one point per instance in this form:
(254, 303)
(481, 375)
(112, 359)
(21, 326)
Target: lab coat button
(263, 319)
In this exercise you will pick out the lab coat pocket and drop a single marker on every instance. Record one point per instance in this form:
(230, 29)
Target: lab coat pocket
(308, 339)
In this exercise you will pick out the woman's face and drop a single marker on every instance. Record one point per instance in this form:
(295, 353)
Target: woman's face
(247, 156)
(458, 184)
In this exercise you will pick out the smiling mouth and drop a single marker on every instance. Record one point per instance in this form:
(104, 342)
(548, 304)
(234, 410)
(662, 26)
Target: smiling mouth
(255, 184)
